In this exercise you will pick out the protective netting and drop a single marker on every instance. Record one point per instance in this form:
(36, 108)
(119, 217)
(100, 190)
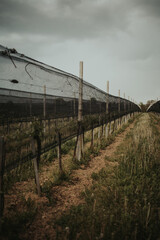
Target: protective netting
(154, 107)
(26, 84)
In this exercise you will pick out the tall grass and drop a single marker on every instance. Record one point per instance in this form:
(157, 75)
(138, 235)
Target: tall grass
(122, 203)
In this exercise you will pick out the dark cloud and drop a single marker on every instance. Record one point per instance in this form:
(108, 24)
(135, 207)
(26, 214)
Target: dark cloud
(121, 37)
(78, 19)
(70, 19)
(149, 7)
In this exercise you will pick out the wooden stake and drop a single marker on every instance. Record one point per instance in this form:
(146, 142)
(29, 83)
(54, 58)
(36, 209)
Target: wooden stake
(30, 105)
(92, 136)
(44, 103)
(44, 108)
(107, 98)
(124, 104)
(119, 104)
(36, 168)
(59, 152)
(74, 104)
(80, 137)
(2, 163)
(80, 91)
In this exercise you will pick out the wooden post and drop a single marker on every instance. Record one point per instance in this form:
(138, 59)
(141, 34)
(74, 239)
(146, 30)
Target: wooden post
(124, 103)
(129, 107)
(99, 127)
(107, 109)
(107, 98)
(119, 103)
(2, 163)
(80, 117)
(74, 104)
(90, 106)
(30, 105)
(36, 168)
(92, 136)
(44, 108)
(119, 109)
(59, 152)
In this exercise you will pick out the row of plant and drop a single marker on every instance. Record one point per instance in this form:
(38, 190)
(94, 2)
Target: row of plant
(18, 147)
(18, 221)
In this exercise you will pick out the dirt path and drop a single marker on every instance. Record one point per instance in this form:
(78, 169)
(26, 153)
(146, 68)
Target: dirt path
(69, 194)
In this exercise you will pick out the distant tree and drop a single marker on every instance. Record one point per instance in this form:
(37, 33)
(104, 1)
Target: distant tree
(144, 107)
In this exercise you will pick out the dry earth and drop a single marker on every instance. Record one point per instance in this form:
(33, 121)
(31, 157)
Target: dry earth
(64, 195)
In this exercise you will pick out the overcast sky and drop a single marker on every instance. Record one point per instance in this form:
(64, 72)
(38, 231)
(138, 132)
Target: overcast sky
(118, 40)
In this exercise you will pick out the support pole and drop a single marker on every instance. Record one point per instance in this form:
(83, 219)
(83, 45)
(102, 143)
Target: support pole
(2, 163)
(107, 98)
(124, 103)
(119, 102)
(80, 117)
(107, 110)
(30, 104)
(36, 168)
(119, 109)
(59, 152)
(74, 104)
(92, 136)
(44, 108)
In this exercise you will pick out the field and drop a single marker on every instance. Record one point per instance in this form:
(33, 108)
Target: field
(113, 193)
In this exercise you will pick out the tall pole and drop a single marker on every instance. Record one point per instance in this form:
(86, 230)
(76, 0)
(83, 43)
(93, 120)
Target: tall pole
(80, 117)
(2, 164)
(119, 104)
(74, 106)
(107, 98)
(107, 111)
(124, 103)
(44, 103)
(129, 104)
(44, 108)
(80, 91)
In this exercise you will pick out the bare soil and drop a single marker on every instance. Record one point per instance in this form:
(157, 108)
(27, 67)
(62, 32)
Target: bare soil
(64, 195)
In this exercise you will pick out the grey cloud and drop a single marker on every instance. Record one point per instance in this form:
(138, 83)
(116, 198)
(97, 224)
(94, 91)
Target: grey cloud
(118, 39)
(70, 19)
(149, 7)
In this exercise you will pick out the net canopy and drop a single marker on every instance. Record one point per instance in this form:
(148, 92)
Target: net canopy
(26, 83)
(154, 107)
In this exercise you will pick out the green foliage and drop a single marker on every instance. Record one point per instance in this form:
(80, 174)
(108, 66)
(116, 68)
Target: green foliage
(49, 156)
(56, 179)
(67, 146)
(37, 129)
